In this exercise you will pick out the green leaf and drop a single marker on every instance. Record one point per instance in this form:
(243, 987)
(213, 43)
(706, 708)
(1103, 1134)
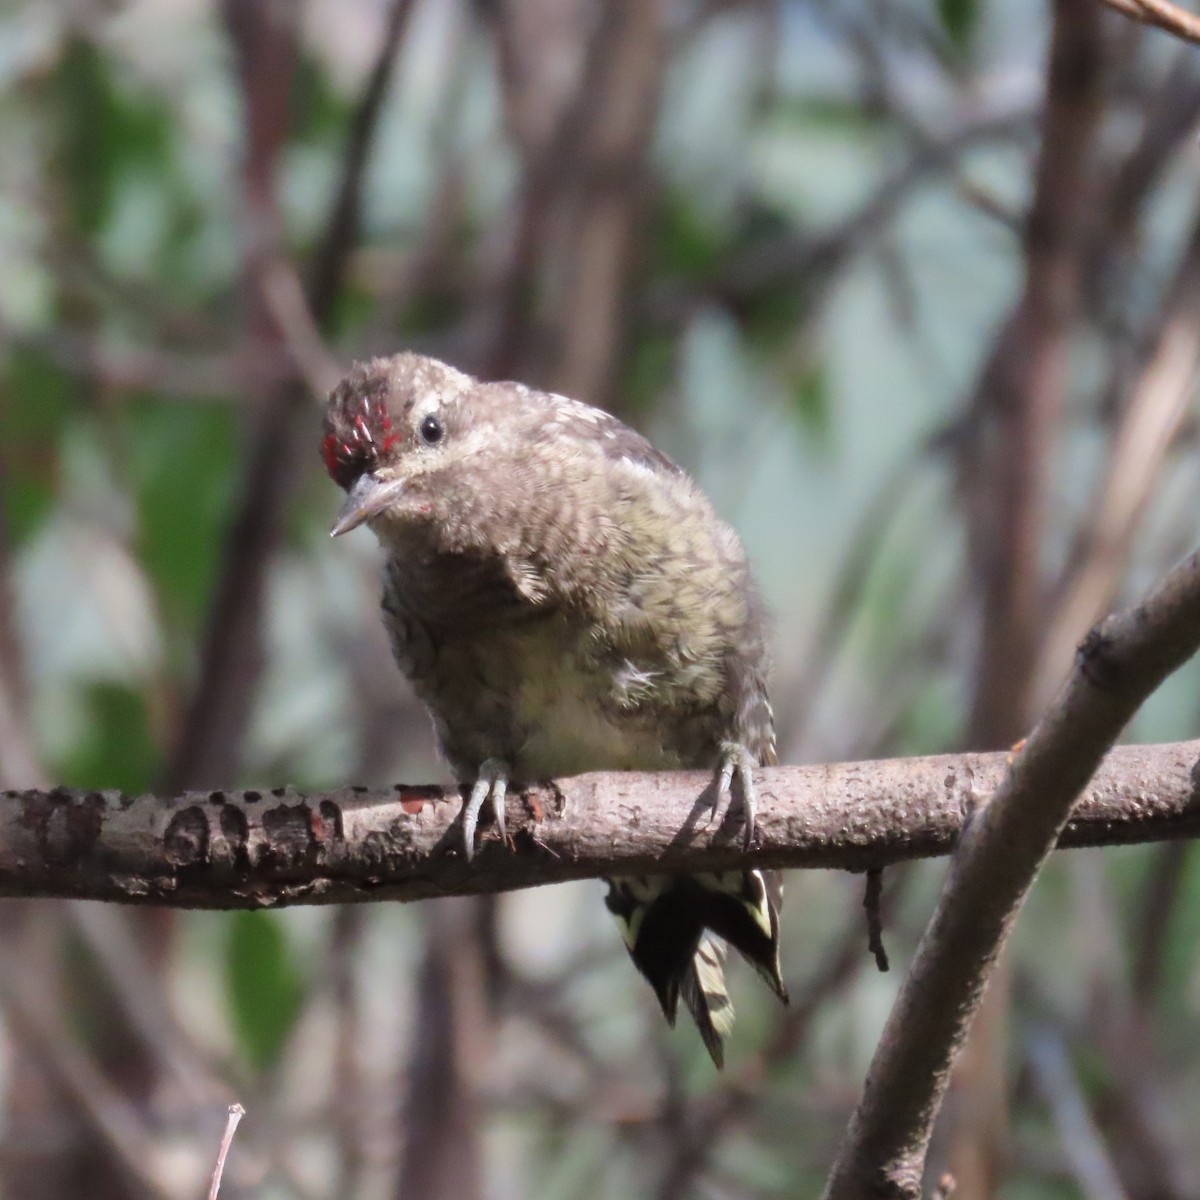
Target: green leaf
(118, 750)
(320, 113)
(826, 113)
(266, 988)
(960, 19)
(102, 130)
(651, 365)
(684, 243)
(810, 400)
(183, 461)
(35, 401)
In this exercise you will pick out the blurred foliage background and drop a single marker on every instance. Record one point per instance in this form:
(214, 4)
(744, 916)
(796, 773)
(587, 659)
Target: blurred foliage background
(941, 380)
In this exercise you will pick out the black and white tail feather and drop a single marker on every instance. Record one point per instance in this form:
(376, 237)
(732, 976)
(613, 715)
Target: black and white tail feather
(676, 927)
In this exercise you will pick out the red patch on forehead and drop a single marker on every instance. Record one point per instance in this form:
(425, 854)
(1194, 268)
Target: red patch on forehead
(358, 435)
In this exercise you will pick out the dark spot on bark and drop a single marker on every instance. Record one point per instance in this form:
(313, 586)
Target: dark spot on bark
(235, 829)
(186, 840)
(66, 826)
(560, 801)
(291, 840)
(331, 822)
(1095, 661)
(359, 790)
(216, 797)
(252, 797)
(384, 852)
(279, 792)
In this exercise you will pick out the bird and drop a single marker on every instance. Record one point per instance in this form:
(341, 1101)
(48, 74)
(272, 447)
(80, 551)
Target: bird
(563, 598)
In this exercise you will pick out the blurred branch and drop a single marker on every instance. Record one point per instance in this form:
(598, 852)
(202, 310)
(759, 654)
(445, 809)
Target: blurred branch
(141, 999)
(171, 375)
(1008, 472)
(218, 716)
(264, 41)
(791, 258)
(236, 1113)
(603, 202)
(1116, 235)
(283, 295)
(1081, 1142)
(702, 1129)
(1008, 476)
(832, 629)
(112, 1119)
(1122, 661)
(1154, 911)
(247, 849)
(1136, 1111)
(1161, 14)
(442, 1118)
(1151, 419)
(342, 226)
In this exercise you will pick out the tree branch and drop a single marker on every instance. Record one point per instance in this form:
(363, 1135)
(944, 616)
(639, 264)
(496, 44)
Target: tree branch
(247, 849)
(1118, 665)
(1163, 15)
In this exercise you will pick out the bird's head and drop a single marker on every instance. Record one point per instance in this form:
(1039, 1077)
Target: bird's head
(393, 427)
(423, 450)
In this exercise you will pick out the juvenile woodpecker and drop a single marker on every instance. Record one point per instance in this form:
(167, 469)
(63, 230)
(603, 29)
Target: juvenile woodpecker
(564, 599)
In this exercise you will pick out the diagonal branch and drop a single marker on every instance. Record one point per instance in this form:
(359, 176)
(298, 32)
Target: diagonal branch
(1119, 664)
(1163, 15)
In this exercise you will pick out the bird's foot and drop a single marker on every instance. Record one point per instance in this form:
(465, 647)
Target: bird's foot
(737, 760)
(492, 781)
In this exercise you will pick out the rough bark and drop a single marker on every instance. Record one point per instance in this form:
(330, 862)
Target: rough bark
(243, 849)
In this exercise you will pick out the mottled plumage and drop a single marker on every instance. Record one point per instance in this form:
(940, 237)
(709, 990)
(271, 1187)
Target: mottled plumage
(564, 599)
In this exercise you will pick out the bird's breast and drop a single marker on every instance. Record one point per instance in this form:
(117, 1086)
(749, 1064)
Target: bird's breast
(548, 699)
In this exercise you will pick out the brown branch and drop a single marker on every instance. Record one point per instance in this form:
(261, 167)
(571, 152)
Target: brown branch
(111, 1119)
(1162, 15)
(443, 1153)
(1023, 387)
(247, 849)
(1001, 851)
(340, 236)
(1021, 399)
(210, 744)
(1157, 407)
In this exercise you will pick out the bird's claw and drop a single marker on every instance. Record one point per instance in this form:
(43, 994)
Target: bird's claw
(737, 760)
(492, 781)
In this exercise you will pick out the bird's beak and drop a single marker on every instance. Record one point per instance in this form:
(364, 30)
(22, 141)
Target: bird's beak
(366, 499)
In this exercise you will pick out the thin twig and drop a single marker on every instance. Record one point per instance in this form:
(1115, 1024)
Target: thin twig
(236, 1113)
(871, 899)
(1162, 15)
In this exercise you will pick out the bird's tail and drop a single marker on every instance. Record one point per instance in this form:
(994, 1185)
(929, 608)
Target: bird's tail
(667, 922)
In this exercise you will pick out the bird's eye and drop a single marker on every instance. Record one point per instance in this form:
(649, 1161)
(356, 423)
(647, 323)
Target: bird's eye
(432, 430)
